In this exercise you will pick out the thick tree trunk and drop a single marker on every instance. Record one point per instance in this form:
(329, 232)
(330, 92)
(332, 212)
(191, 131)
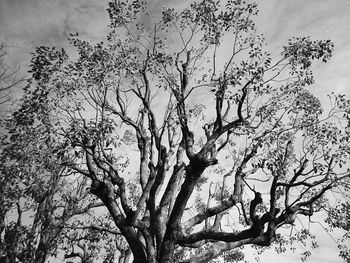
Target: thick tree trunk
(41, 253)
(193, 172)
(106, 194)
(127, 256)
(167, 253)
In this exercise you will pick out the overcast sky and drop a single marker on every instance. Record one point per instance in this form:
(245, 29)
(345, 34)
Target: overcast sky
(29, 23)
(26, 24)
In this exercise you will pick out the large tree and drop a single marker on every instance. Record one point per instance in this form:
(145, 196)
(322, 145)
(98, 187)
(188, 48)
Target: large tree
(182, 121)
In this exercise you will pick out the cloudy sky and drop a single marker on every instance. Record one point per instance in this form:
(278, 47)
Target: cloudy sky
(25, 24)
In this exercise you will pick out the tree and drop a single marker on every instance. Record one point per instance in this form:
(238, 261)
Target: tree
(31, 188)
(8, 77)
(190, 108)
(37, 199)
(338, 219)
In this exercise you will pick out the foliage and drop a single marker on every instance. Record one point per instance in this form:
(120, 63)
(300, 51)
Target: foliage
(338, 218)
(35, 189)
(30, 183)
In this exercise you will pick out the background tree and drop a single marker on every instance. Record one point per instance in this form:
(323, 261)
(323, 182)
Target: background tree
(38, 197)
(8, 76)
(181, 124)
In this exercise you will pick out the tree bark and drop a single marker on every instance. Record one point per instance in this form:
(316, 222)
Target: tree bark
(193, 172)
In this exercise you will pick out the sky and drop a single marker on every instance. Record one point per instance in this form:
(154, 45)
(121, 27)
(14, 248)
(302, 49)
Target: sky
(25, 24)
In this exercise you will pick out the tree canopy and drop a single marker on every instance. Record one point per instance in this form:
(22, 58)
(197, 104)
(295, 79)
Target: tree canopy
(179, 138)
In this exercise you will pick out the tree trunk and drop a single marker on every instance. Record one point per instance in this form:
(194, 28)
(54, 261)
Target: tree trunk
(41, 253)
(127, 256)
(193, 172)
